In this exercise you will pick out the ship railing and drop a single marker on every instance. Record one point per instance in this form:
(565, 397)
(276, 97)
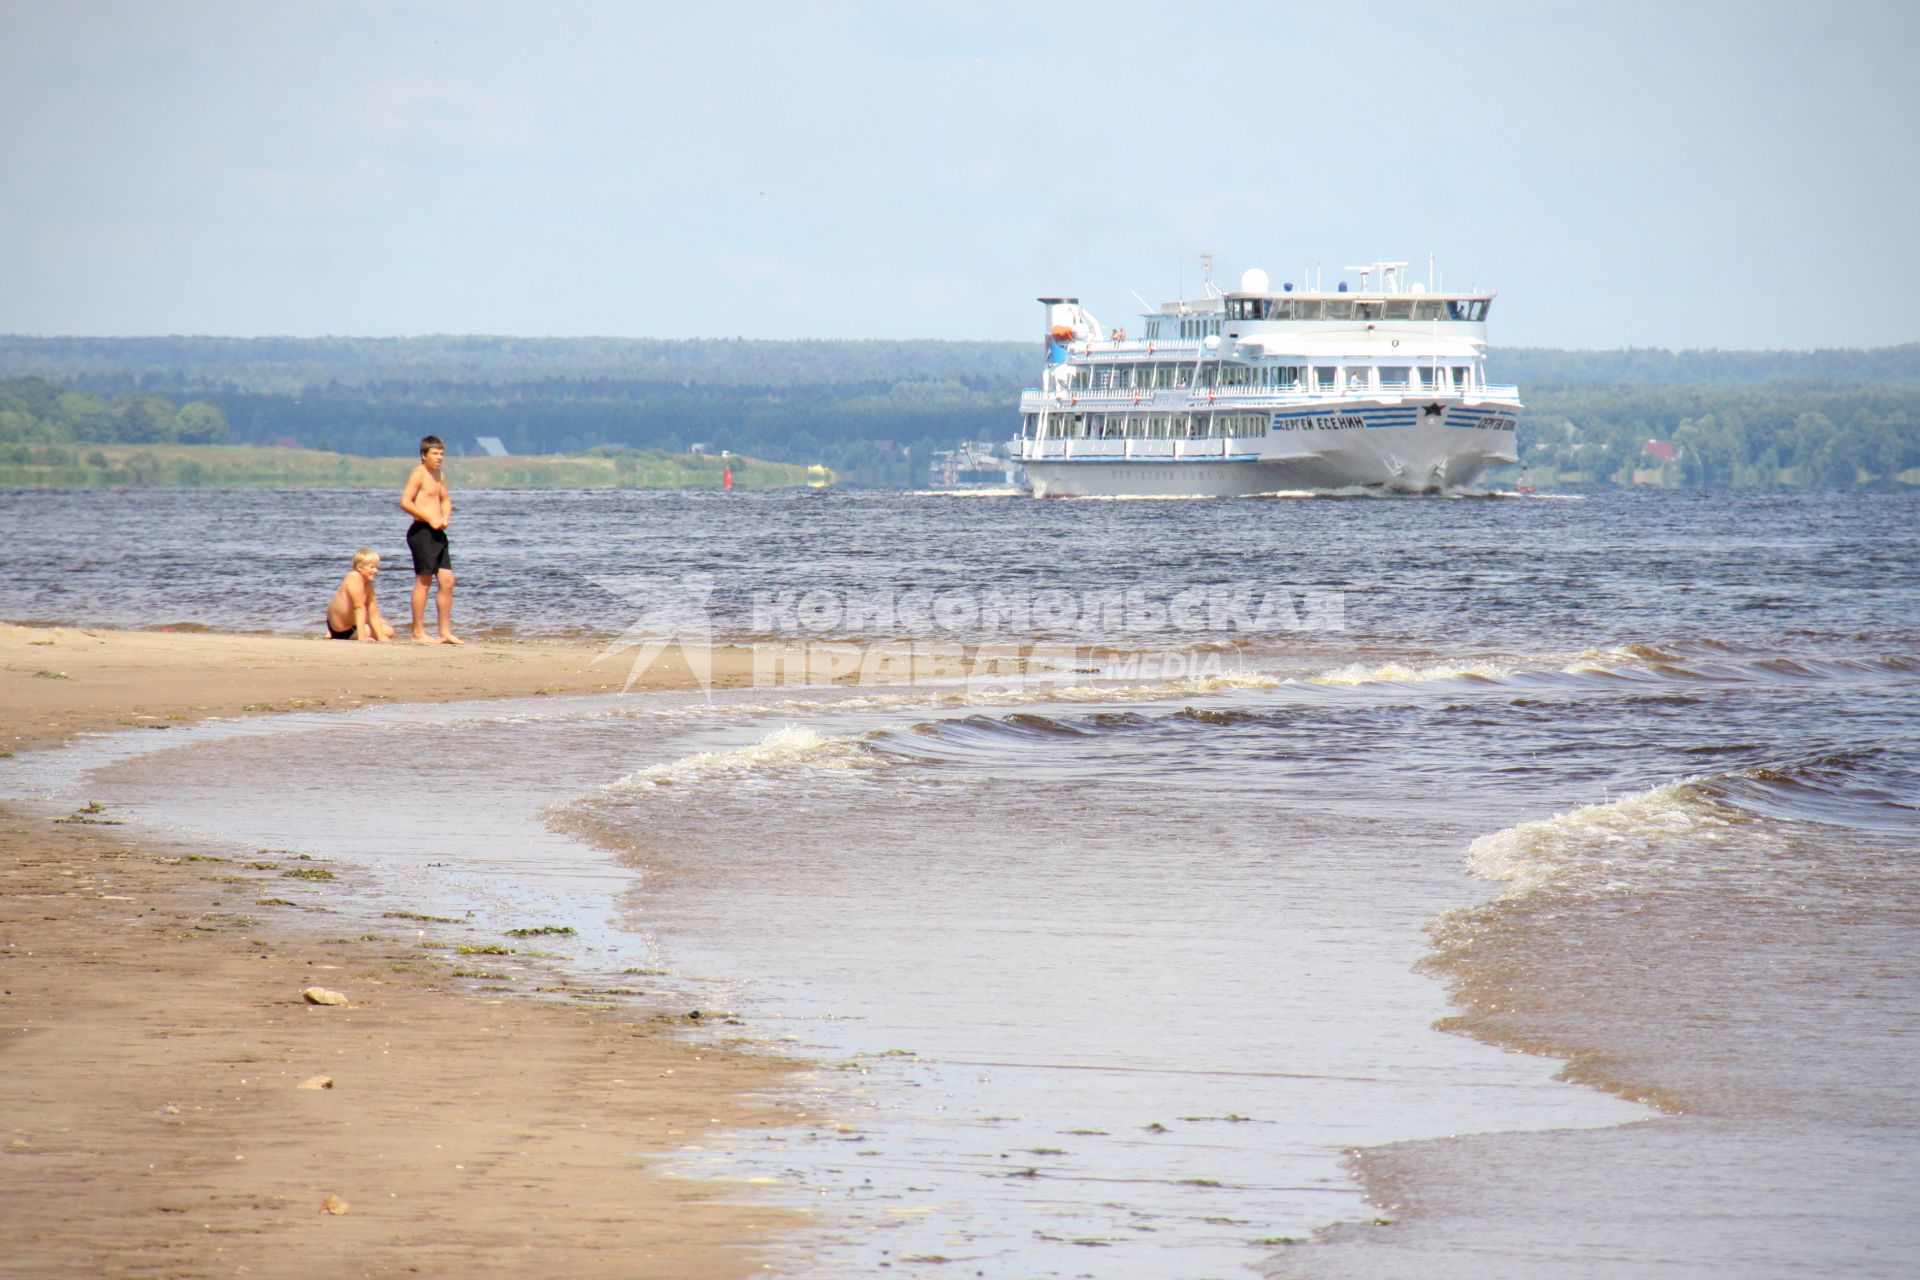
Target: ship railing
(1135, 347)
(1129, 448)
(1033, 400)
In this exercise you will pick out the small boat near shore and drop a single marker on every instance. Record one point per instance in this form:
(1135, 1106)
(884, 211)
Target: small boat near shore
(1258, 390)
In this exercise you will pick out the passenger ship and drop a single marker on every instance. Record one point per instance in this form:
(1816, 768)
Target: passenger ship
(1260, 390)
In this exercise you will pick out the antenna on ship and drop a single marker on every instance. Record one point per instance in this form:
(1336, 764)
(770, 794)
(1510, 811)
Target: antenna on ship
(1206, 275)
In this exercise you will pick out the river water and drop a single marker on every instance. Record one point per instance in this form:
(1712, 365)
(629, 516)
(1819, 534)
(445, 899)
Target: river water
(1530, 885)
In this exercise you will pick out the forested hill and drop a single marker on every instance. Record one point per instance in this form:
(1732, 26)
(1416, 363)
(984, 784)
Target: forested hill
(1534, 368)
(874, 410)
(294, 364)
(268, 365)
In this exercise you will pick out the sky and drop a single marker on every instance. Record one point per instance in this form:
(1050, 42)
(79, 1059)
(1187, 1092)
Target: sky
(1687, 174)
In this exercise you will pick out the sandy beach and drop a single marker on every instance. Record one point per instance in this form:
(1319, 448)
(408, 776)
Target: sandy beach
(156, 1045)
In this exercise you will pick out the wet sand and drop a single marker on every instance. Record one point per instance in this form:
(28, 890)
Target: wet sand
(155, 1037)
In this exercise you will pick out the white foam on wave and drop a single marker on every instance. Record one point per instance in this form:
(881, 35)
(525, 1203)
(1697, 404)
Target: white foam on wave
(1586, 846)
(967, 493)
(982, 694)
(1610, 660)
(1152, 692)
(1399, 673)
(787, 746)
(1134, 497)
(1338, 491)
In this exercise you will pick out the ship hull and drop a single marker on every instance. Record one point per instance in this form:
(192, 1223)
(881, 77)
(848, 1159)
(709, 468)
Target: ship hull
(1418, 458)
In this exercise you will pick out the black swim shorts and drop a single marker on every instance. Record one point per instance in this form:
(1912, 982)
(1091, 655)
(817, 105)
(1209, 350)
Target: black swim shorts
(429, 547)
(348, 634)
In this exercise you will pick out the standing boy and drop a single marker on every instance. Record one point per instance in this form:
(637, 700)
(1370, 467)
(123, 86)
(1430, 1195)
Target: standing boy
(426, 499)
(354, 612)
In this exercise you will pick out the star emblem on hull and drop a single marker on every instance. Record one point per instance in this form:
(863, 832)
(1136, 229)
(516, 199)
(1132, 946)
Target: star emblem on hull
(1432, 410)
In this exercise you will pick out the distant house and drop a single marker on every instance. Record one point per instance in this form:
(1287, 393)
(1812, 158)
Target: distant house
(491, 446)
(1657, 473)
(698, 447)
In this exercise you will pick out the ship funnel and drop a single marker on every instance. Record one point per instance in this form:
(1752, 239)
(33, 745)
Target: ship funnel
(1068, 321)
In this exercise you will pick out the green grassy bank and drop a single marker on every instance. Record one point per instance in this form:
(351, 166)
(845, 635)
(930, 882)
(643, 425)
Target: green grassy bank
(259, 467)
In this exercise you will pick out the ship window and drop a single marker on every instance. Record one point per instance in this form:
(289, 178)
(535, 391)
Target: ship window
(1395, 375)
(1460, 373)
(1426, 311)
(1366, 311)
(1426, 376)
(1181, 375)
(1359, 376)
(1308, 308)
(1282, 309)
(1153, 328)
(1026, 427)
(1399, 309)
(1325, 377)
(1339, 309)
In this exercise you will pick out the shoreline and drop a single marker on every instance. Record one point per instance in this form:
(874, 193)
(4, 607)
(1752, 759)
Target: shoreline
(157, 1039)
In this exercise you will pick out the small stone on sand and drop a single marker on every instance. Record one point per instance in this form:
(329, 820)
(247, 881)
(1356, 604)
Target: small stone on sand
(335, 1205)
(320, 995)
(317, 1082)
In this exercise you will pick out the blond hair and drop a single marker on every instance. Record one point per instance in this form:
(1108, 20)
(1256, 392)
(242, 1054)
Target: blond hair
(364, 557)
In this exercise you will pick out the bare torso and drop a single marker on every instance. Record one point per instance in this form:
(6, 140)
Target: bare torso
(426, 497)
(354, 593)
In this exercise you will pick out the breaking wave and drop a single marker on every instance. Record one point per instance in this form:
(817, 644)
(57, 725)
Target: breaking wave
(1399, 673)
(1671, 830)
(788, 746)
(1585, 846)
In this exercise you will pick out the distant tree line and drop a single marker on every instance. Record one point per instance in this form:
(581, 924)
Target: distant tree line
(33, 410)
(1543, 369)
(874, 411)
(1724, 437)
